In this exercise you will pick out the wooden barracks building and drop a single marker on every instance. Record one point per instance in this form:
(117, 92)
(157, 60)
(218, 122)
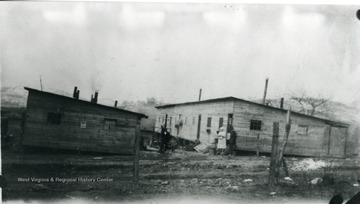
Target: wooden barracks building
(57, 121)
(253, 123)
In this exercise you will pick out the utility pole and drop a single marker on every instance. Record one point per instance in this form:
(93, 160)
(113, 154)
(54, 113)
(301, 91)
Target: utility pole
(200, 94)
(265, 90)
(41, 84)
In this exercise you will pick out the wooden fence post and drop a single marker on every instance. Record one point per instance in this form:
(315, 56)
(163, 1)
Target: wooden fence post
(282, 148)
(136, 153)
(274, 155)
(258, 145)
(277, 155)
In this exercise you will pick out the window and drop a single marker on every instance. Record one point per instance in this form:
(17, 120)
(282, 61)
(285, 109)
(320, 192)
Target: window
(193, 121)
(109, 124)
(302, 130)
(208, 122)
(54, 118)
(185, 120)
(159, 119)
(221, 122)
(170, 121)
(255, 125)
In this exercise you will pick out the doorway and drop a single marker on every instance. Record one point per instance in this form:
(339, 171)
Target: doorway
(198, 128)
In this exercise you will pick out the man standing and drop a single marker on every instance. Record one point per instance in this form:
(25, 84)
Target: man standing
(163, 138)
(232, 142)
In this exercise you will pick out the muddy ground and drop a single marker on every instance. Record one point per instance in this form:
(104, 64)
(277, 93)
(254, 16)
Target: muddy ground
(172, 177)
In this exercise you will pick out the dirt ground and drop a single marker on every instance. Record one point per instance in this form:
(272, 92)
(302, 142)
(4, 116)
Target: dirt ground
(180, 177)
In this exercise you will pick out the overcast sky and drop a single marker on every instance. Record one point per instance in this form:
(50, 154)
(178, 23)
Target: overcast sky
(170, 51)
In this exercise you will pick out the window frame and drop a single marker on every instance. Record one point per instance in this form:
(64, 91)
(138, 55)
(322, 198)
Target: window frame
(306, 130)
(221, 122)
(255, 125)
(208, 122)
(106, 124)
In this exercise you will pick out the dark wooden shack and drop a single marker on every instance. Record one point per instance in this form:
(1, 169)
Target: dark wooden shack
(56, 121)
(253, 122)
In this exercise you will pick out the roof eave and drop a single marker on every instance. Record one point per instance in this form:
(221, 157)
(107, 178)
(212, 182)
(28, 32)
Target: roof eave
(100, 105)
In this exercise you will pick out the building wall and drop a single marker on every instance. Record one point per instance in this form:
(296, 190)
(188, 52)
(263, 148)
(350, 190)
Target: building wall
(308, 136)
(190, 116)
(83, 126)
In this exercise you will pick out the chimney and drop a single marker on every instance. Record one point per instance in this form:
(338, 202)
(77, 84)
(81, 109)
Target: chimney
(200, 95)
(115, 104)
(92, 98)
(96, 97)
(265, 90)
(75, 92)
(282, 103)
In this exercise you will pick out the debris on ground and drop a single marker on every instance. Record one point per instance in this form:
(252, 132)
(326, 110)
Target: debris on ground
(316, 181)
(71, 197)
(191, 146)
(203, 148)
(356, 184)
(247, 180)
(165, 183)
(273, 193)
(233, 188)
(98, 158)
(287, 178)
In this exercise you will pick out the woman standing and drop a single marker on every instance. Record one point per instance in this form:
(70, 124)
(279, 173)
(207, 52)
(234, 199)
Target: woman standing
(221, 146)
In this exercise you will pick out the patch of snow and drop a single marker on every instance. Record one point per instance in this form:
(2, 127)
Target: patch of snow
(309, 164)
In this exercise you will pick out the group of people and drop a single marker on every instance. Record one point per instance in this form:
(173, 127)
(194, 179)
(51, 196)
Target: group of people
(221, 144)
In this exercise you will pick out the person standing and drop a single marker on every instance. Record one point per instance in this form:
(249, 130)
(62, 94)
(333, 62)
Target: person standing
(167, 139)
(173, 143)
(163, 138)
(232, 141)
(221, 146)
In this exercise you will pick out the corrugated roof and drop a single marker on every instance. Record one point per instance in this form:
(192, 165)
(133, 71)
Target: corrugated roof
(87, 102)
(230, 98)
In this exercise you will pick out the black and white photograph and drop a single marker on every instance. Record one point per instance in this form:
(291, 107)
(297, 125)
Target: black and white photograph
(179, 102)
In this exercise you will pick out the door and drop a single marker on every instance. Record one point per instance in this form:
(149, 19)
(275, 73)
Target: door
(337, 141)
(198, 128)
(229, 123)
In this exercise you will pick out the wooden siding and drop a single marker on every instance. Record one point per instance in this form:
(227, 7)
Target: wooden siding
(309, 136)
(69, 134)
(188, 130)
(313, 142)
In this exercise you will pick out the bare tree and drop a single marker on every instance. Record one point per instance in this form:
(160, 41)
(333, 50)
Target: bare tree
(311, 105)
